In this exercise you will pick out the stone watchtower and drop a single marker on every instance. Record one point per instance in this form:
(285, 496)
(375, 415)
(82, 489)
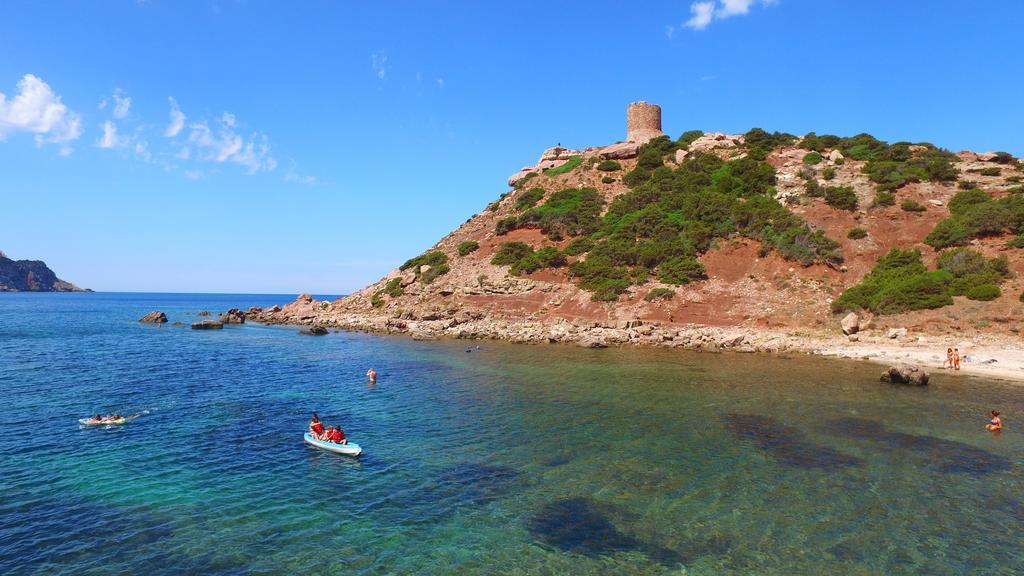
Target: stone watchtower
(643, 122)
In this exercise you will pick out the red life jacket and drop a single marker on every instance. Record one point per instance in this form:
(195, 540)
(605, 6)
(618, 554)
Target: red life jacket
(338, 435)
(318, 428)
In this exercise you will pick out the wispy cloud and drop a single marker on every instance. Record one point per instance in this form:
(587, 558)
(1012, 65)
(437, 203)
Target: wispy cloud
(670, 31)
(224, 144)
(110, 138)
(38, 110)
(702, 13)
(122, 104)
(379, 63)
(177, 119)
(292, 175)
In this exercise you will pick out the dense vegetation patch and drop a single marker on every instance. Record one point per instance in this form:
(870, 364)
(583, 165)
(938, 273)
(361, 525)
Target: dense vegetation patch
(394, 288)
(883, 199)
(467, 247)
(523, 259)
(609, 166)
(856, 233)
(572, 211)
(900, 282)
(841, 197)
(569, 166)
(688, 137)
(910, 205)
(670, 217)
(812, 158)
(760, 143)
(528, 199)
(889, 166)
(437, 262)
(974, 214)
(607, 179)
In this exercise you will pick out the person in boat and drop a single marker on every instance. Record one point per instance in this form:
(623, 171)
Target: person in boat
(97, 419)
(338, 436)
(372, 375)
(316, 427)
(327, 435)
(996, 423)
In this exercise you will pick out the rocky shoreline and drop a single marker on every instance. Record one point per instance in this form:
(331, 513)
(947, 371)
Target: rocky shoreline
(988, 356)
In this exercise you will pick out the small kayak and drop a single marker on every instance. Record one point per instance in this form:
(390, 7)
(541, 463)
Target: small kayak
(89, 422)
(349, 449)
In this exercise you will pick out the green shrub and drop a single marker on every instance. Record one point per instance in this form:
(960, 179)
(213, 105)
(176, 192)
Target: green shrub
(967, 185)
(570, 165)
(909, 205)
(948, 232)
(828, 173)
(688, 138)
(528, 199)
(1017, 242)
(393, 288)
(841, 197)
(609, 166)
(975, 215)
(573, 211)
(580, 245)
(856, 233)
(812, 158)
(1003, 158)
(522, 181)
(963, 200)
(547, 257)
(437, 261)
(1014, 179)
(506, 225)
(600, 276)
(991, 171)
(660, 294)
(607, 179)
(467, 247)
(899, 282)
(760, 143)
(681, 270)
(376, 301)
(510, 253)
(984, 292)
(883, 199)
(839, 161)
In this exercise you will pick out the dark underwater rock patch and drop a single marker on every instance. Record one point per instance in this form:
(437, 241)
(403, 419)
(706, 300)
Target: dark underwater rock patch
(947, 456)
(576, 525)
(785, 443)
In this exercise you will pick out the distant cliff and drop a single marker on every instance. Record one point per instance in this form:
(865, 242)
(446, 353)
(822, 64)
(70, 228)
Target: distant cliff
(31, 276)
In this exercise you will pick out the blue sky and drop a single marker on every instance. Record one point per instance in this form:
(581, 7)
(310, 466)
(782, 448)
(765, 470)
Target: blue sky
(252, 146)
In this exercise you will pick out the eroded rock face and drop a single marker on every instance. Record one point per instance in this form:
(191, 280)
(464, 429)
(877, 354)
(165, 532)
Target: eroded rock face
(905, 374)
(207, 325)
(314, 331)
(897, 333)
(154, 317)
(592, 342)
(620, 151)
(851, 324)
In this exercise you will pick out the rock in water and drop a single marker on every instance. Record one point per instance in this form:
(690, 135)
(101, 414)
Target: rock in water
(207, 325)
(905, 374)
(154, 317)
(592, 342)
(314, 331)
(233, 316)
(851, 324)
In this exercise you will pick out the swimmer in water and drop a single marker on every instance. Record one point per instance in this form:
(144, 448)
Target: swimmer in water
(372, 375)
(996, 423)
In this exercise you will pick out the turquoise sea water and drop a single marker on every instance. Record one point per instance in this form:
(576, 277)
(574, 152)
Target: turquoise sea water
(511, 459)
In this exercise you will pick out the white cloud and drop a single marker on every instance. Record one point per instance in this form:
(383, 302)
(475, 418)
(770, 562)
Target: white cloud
(110, 138)
(379, 63)
(36, 109)
(670, 30)
(702, 13)
(292, 176)
(122, 104)
(193, 174)
(142, 150)
(225, 145)
(177, 119)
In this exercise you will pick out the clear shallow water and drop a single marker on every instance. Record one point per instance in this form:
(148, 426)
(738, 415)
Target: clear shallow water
(513, 459)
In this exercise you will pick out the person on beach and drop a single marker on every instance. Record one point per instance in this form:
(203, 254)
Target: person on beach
(996, 423)
(956, 358)
(316, 427)
(372, 375)
(949, 359)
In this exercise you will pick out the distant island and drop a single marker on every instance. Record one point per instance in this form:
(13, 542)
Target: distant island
(31, 276)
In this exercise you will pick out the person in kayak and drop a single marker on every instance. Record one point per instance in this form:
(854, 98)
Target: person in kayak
(338, 436)
(97, 419)
(316, 427)
(996, 423)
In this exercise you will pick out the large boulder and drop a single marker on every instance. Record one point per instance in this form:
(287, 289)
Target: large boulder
(207, 325)
(592, 342)
(154, 317)
(851, 324)
(620, 151)
(233, 316)
(905, 374)
(895, 333)
(314, 331)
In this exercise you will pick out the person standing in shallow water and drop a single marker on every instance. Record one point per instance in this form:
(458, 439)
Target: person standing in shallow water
(372, 375)
(949, 358)
(956, 358)
(996, 423)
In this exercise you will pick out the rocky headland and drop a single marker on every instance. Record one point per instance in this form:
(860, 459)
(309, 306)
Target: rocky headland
(756, 242)
(31, 276)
